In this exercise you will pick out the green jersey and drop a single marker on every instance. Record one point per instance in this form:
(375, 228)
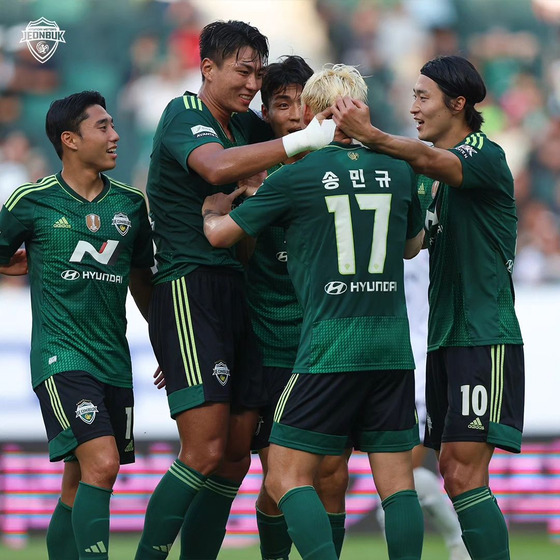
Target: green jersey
(275, 311)
(79, 254)
(176, 192)
(348, 212)
(472, 238)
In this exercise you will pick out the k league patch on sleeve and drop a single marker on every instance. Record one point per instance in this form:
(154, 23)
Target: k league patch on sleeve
(200, 130)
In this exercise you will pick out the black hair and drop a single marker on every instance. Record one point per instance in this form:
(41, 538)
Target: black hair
(279, 75)
(220, 39)
(68, 113)
(456, 76)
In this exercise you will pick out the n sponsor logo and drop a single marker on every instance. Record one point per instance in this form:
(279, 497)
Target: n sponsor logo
(86, 411)
(335, 288)
(42, 37)
(108, 254)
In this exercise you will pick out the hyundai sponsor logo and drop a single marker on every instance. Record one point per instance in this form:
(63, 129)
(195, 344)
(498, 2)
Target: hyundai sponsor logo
(282, 256)
(70, 275)
(335, 288)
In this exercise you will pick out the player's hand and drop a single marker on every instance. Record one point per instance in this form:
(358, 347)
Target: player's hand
(318, 133)
(159, 378)
(17, 265)
(351, 116)
(220, 203)
(252, 184)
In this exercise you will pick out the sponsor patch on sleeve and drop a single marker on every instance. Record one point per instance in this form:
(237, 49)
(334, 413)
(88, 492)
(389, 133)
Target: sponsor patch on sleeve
(200, 130)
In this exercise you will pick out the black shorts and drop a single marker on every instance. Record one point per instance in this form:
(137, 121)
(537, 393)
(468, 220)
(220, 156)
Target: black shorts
(318, 413)
(203, 340)
(475, 394)
(275, 379)
(77, 408)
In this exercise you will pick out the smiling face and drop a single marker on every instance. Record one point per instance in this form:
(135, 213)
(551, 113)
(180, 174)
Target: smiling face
(433, 117)
(96, 141)
(232, 85)
(284, 111)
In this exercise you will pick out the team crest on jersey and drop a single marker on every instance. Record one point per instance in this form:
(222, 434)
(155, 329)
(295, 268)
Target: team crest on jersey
(42, 37)
(86, 411)
(93, 222)
(353, 156)
(221, 371)
(121, 222)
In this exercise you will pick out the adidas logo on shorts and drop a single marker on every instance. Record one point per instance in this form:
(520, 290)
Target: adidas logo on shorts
(476, 424)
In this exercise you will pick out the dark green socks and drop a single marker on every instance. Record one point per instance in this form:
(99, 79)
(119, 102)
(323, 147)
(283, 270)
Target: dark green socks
(484, 529)
(61, 544)
(90, 520)
(404, 525)
(204, 527)
(308, 524)
(167, 509)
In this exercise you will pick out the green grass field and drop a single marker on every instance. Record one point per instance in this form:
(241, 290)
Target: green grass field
(524, 546)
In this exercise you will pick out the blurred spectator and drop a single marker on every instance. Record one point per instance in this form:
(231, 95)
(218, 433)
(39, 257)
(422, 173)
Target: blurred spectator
(19, 163)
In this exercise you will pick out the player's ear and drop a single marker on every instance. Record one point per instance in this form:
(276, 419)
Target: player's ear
(206, 67)
(68, 140)
(306, 114)
(458, 103)
(264, 112)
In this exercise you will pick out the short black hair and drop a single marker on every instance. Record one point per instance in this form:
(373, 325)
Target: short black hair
(67, 114)
(279, 75)
(456, 76)
(220, 39)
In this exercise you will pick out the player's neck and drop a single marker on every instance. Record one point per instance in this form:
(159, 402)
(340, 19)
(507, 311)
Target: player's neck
(87, 183)
(452, 137)
(223, 116)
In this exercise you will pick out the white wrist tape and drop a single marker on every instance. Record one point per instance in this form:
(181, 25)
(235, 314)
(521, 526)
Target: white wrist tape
(316, 135)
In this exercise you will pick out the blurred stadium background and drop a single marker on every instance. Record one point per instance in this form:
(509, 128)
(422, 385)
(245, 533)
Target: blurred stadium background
(140, 54)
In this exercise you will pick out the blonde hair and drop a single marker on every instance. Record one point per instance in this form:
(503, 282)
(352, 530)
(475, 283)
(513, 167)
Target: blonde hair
(334, 80)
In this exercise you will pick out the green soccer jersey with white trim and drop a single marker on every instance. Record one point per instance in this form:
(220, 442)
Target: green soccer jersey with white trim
(80, 254)
(275, 311)
(472, 239)
(176, 193)
(348, 212)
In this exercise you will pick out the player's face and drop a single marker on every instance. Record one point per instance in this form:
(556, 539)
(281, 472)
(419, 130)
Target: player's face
(235, 83)
(97, 141)
(433, 118)
(284, 111)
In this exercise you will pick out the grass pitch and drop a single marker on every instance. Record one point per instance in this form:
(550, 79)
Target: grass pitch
(524, 546)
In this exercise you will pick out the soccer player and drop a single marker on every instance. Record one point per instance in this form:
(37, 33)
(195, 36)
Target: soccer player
(350, 216)
(475, 366)
(277, 317)
(433, 501)
(199, 323)
(86, 237)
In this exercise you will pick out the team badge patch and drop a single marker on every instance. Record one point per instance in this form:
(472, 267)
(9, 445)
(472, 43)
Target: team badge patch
(221, 371)
(86, 411)
(353, 156)
(42, 37)
(93, 222)
(122, 223)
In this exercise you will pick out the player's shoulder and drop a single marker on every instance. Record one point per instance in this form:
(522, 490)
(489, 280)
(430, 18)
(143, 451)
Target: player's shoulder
(477, 143)
(30, 192)
(126, 190)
